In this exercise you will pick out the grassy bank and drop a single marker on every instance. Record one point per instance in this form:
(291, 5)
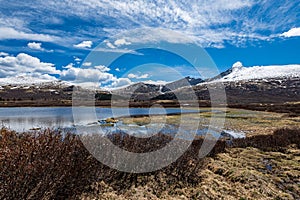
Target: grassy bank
(49, 165)
(240, 120)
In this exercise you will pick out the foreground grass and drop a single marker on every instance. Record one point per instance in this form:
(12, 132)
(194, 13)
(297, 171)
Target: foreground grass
(250, 173)
(248, 121)
(49, 165)
(238, 173)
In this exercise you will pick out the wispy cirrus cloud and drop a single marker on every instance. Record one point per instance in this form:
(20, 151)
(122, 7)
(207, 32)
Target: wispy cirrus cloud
(210, 22)
(11, 33)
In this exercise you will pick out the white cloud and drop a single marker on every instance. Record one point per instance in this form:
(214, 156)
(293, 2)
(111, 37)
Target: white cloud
(12, 22)
(135, 76)
(31, 68)
(152, 35)
(92, 77)
(77, 60)
(121, 82)
(294, 32)
(35, 46)
(121, 42)
(84, 44)
(118, 69)
(159, 82)
(228, 20)
(109, 44)
(204, 37)
(3, 54)
(102, 68)
(11, 33)
(24, 64)
(28, 66)
(80, 75)
(87, 64)
(164, 14)
(115, 50)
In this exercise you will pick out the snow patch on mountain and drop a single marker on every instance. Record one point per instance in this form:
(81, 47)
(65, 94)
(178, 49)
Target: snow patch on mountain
(239, 72)
(29, 80)
(23, 80)
(237, 66)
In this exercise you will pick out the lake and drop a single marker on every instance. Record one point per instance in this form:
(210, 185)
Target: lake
(25, 118)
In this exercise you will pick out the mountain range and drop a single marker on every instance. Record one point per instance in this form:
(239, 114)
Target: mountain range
(243, 86)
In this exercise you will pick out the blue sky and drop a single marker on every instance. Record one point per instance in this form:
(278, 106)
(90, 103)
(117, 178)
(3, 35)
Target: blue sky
(52, 39)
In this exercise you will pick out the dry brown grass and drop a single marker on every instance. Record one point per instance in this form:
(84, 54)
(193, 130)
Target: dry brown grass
(250, 122)
(49, 165)
(245, 173)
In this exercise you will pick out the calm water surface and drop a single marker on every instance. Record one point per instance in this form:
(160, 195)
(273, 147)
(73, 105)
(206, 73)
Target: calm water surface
(25, 118)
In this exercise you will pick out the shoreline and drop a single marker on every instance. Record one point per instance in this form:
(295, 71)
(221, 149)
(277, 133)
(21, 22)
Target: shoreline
(285, 107)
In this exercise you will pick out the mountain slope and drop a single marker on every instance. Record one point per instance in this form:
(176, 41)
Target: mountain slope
(238, 73)
(185, 82)
(244, 86)
(26, 81)
(145, 91)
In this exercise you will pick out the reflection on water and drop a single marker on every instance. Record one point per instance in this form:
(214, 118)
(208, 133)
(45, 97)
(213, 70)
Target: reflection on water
(23, 119)
(146, 131)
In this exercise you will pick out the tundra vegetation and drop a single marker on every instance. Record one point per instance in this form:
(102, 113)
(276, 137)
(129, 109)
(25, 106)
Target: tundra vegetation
(48, 164)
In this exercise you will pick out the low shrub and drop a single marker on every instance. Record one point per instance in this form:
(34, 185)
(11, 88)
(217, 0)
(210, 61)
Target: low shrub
(50, 165)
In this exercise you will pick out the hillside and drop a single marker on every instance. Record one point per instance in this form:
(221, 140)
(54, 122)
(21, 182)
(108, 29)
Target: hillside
(244, 87)
(259, 84)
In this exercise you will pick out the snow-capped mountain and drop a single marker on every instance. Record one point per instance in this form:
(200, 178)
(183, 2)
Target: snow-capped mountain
(25, 81)
(240, 73)
(249, 85)
(243, 85)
